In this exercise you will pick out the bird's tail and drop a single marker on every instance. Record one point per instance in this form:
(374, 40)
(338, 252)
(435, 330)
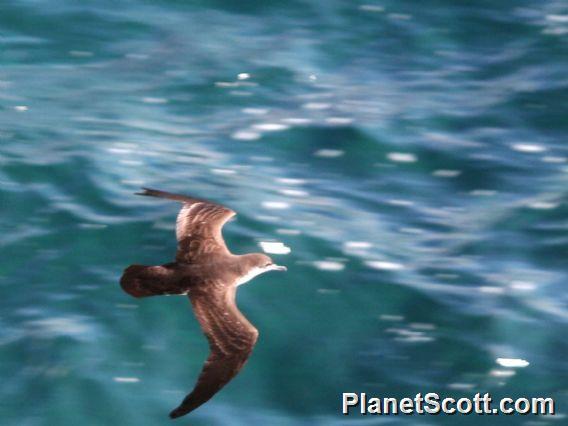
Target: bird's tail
(144, 281)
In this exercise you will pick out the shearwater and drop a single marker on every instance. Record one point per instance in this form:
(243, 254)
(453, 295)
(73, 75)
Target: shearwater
(206, 271)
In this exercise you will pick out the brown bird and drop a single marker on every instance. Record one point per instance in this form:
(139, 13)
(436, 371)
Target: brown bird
(209, 274)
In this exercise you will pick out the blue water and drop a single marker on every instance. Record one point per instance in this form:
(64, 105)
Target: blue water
(411, 155)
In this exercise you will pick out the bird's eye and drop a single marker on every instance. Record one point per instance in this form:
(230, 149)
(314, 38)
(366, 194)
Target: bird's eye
(268, 264)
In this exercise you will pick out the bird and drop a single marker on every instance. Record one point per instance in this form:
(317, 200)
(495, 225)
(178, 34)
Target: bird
(209, 274)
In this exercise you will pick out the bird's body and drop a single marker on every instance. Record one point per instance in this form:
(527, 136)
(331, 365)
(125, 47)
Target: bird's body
(183, 278)
(209, 274)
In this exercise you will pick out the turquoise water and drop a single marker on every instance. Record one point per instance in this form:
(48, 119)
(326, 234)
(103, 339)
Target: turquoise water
(412, 157)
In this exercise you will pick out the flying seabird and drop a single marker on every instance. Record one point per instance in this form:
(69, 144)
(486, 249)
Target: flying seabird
(206, 271)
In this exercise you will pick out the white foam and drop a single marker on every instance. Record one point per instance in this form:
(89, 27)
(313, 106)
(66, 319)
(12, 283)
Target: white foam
(358, 244)
(296, 120)
(557, 18)
(223, 171)
(371, 8)
(93, 225)
(402, 157)
(294, 192)
(446, 173)
(119, 150)
(245, 135)
(502, 373)
(131, 162)
(416, 231)
(243, 76)
(382, 265)
(73, 326)
(329, 153)
(404, 203)
(150, 100)
(543, 205)
(491, 290)
(275, 205)
(270, 127)
(553, 159)
(399, 16)
(328, 265)
(483, 192)
(288, 231)
(291, 181)
(339, 120)
(274, 247)
(461, 386)
(226, 84)
(126, 379)
(512, 362)
(316, 105)
(528, 148)
(523, 286)
(255, 111)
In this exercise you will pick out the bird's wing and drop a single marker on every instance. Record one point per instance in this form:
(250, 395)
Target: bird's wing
(231, 340)
(198, 226)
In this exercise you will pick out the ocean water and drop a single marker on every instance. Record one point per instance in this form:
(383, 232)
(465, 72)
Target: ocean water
(410, 155)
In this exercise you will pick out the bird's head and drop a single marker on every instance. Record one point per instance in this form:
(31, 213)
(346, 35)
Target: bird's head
(266, 264)
(256, 264)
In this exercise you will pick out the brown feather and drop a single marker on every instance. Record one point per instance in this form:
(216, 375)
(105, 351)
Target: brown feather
(198, 226)
(231, 340)
(143, 281)
(206, 271)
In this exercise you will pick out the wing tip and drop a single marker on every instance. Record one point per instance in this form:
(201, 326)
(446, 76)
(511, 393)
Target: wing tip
(147, 192)
(178, 412)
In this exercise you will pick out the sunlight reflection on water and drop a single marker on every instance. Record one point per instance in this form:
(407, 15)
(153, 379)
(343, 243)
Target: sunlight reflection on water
(408, 162)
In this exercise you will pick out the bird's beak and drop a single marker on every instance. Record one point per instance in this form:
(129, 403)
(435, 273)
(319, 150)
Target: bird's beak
(279, 268)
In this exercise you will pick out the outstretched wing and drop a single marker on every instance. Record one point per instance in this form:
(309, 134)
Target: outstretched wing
(231, 340)
(198, 226)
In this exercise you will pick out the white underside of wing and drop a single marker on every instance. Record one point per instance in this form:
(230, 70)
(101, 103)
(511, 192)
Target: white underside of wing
(257, 271)
(250, 275)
